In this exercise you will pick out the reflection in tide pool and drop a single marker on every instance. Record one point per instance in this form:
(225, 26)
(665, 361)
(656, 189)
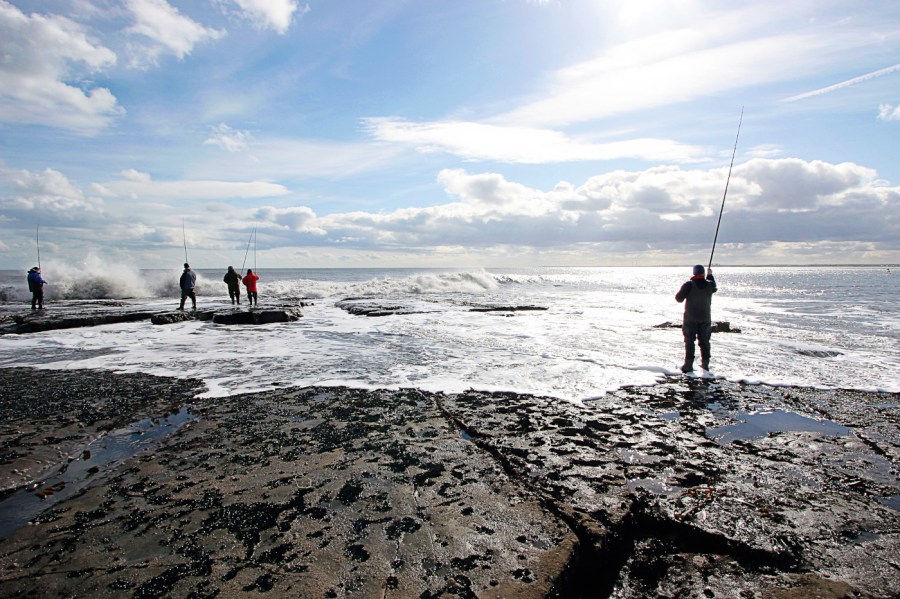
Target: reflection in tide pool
(754, 425)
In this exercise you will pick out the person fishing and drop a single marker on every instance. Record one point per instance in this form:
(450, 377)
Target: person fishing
(697, 323)
(187, 283)
(233, 279)
(250, 280)
(36, 286)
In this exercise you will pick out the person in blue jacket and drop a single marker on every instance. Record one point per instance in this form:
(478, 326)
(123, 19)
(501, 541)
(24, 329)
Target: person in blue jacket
(36, 286)
(697, 323)
(187, 283)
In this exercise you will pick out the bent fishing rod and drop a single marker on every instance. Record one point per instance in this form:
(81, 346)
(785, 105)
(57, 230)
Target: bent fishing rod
(722, 209)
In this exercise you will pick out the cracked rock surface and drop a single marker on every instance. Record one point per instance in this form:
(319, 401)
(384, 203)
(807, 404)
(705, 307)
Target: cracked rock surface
(689, 488)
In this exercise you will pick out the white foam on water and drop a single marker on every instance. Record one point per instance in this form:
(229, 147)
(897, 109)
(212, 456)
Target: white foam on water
(598, 333)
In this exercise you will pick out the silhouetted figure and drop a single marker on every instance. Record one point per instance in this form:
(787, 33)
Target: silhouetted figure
(233, 279)
(187, 283)
(36, 286)
(697, 324)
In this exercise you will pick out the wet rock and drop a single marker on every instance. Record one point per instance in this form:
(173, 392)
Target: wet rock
(819, 353)
(719, 326)
(343, 492)
(507, 308)
(378, 307)
(52, 319)
(258, 316)
(171, 317)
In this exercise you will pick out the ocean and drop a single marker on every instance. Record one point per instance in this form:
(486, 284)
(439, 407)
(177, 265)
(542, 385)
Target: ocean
(568, 333)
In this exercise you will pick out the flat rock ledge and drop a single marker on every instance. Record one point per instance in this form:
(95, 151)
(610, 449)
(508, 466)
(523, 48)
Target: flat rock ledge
(336, 492)
(265, 315)
(75, 314)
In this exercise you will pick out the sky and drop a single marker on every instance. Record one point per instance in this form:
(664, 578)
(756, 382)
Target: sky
(427, 133)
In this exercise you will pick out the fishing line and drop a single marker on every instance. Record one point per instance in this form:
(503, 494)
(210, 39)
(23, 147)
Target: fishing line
(722, 209)
(244, 263)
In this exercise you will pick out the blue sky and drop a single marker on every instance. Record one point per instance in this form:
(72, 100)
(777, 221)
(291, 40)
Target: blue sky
(454, 134)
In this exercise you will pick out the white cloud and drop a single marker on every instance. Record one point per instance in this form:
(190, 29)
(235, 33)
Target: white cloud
(522, 145)
(886, 112)
(662, 53)
(166, 28)
(769, 201)
(771, 204)
(271, 14)
(44, 57)
(140, 186)
(662, 70)
(228, 139)
(48, 197)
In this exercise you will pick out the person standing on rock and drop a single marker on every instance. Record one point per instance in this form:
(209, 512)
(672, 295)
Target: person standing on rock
(187, 283)
(36, 286)
(697, 324)
(250, 280)
(233, 279)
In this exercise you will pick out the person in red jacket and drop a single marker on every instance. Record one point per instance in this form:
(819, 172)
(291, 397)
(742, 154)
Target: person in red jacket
(250, 280)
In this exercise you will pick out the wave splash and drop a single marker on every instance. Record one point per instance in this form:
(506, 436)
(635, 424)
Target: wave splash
(96, 279)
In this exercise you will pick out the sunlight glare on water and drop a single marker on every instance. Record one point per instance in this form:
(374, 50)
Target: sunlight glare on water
(596, 330)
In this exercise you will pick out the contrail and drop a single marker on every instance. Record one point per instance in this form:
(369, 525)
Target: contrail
(843, 84)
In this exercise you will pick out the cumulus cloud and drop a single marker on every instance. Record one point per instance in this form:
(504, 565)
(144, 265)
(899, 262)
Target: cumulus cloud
(886, 112)
(47, 196)
(778, 203)
(524, 145)
(166, 29)
(295, 219)
(44, 60)
(769, 201)
(271, 14)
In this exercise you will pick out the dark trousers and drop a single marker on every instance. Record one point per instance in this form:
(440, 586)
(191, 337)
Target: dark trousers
(252, 298)
(37, 299)
(234, 293)
(701, 331)
(188, 293)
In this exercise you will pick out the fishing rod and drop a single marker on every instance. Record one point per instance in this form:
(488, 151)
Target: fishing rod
(255, 243)
(37, 240)
(722, 209)
(184, 238)
(248, 252)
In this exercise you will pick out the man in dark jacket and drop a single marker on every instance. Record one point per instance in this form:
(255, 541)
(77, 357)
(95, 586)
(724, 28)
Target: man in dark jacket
(697, 324)
(187, 282)
(233, 280)
(36, 286)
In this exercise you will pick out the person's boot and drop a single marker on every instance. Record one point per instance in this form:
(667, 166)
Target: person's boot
(705, 363)
(688, 365)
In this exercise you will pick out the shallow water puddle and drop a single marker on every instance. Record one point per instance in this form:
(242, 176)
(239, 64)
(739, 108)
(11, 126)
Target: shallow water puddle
(754, 425)
(79, 473)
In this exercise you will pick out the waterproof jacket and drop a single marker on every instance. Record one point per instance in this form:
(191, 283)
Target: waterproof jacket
(697, 297)
(250, 280)
(35, 281)
(232, 278)
(188, 280)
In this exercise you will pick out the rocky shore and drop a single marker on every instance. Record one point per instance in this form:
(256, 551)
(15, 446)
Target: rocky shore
(690, 488)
